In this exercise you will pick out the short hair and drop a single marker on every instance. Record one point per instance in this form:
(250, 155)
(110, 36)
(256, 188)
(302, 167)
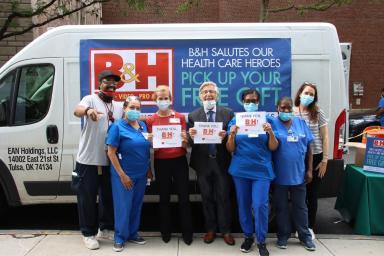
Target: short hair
(284, 98)
(208, 83)
(250, 91)
(162, 88)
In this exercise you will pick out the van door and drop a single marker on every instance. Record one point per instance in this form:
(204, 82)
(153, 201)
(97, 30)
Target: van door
(31, 127)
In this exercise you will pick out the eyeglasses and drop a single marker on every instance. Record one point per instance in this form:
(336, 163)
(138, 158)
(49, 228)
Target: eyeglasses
(255, 101)
(132, 98)
(204, 92)
(309, 83)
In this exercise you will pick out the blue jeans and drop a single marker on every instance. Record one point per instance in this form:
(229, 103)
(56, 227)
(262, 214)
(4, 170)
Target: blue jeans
(299, 211)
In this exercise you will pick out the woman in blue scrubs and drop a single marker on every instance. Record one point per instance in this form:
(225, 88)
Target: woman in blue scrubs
(251, 169)
(128, 150)
(293, 169)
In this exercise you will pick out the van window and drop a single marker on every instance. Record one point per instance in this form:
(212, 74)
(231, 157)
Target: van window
(34, 93)
(5, 95)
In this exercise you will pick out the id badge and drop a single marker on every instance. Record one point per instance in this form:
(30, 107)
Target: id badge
(174, 120)
(293, 138)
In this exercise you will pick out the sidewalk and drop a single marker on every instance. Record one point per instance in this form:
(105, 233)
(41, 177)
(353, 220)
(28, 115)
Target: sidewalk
(69, 243)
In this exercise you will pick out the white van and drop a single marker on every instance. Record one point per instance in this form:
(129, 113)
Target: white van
(41, 85)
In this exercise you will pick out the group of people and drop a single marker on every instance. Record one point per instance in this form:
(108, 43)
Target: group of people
(291, 155)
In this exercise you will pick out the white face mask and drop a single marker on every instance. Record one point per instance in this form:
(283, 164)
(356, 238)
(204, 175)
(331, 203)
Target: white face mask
(209, 104)
(163, 104)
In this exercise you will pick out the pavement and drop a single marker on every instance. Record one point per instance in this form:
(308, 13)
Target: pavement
(69, 243)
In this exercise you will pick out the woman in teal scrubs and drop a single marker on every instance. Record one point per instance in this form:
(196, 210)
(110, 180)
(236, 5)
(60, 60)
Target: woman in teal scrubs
(252, 173)
(128, 150)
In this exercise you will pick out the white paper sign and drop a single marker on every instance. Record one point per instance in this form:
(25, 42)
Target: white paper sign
(251, 123)
(166, 136)
(208, 132)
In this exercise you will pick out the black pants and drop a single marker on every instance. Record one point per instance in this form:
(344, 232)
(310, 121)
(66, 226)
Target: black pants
(92, 215)
(173, 172)
(312, 191)
(215, 189)
(298, 214)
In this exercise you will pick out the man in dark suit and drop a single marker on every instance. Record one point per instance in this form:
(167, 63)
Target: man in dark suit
(211, 162)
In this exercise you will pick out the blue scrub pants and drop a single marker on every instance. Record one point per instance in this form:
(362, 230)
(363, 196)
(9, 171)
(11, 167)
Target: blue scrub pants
(127, 208)
(253, 194)
(299, 211)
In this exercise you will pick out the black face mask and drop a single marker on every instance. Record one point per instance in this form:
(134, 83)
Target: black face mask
(104, 97)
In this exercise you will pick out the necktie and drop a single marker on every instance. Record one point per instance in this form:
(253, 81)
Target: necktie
(211, 147)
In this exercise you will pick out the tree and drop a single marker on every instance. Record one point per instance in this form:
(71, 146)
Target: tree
(43, 12)
(265, 9)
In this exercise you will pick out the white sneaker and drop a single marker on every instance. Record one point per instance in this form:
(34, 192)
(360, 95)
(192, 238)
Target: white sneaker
(312, 233)
(91, 243)
(105, 234)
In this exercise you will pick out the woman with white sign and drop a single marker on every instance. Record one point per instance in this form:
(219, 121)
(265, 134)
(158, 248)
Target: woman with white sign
(251, 169)
(292, 163)
(171, 167)
(306, 107)
(129, 152)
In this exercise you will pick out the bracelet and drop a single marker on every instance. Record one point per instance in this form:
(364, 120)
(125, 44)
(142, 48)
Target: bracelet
(86, 110)
(324, 160)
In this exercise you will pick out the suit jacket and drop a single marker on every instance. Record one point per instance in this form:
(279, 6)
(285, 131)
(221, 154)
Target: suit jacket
(199, 154)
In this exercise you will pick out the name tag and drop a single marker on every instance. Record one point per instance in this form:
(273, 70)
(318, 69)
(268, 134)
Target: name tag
(174, 120)
(293, 138)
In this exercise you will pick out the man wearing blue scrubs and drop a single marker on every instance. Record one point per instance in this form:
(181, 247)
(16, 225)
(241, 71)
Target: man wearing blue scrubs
(252, 173)
(128, 150)
(293, 168)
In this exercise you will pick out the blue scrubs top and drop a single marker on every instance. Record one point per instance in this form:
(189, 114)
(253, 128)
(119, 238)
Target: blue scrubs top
(289, 158)
(381, 105)
(132, 148)
(252, 158)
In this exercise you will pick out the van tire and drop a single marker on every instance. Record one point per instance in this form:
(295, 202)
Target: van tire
(3, 204)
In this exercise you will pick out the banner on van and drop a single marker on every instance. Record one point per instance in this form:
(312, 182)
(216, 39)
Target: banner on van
(233, 64)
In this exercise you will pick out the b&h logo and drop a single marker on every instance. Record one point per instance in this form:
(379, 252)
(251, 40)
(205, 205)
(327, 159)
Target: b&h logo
(141, 70)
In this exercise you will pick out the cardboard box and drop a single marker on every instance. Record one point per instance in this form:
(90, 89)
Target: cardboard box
(360, 152)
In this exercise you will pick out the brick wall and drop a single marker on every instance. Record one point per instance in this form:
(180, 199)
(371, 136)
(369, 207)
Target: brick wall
(361, 23)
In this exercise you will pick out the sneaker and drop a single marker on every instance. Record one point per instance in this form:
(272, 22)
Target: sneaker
(137, 240)
(281, 244)
(105, 234)
(312, 234)
(117, 247)
(246, 246)
(309, 245)
(166, 237)
(263, 249)
(91, 243)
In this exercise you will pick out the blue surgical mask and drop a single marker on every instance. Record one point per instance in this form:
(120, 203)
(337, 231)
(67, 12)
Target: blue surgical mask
(163, 104)
(285, 116)
(306, 100)
(209, 104)
(251, 107)
(133, 115)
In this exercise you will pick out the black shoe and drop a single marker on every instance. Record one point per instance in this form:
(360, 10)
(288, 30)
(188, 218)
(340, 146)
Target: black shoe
(263, 249)
(246, 246)
(187, 239)
(166, 237)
